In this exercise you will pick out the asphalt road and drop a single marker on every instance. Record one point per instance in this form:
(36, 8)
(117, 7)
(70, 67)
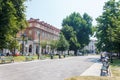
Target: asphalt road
(56, 69)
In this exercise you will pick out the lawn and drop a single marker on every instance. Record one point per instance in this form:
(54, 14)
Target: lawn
(23, 58)
(93, 78)
(19, 58)
(115, 68)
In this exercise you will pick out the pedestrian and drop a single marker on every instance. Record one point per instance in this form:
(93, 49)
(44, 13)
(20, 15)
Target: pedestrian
(102, 56)
(8, 54)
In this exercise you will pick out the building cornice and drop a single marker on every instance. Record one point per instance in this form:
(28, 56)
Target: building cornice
(32, 20)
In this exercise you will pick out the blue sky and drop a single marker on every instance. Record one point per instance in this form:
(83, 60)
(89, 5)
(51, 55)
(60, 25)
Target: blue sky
(54, 11)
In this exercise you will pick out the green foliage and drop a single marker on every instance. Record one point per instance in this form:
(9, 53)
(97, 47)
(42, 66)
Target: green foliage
(12, 17)
(70, 36)
(62, 44)
(108, 27)
(13, 44)
(74, 45)
(79, 31)
(53, 44)
(43, 44)
(94, 29)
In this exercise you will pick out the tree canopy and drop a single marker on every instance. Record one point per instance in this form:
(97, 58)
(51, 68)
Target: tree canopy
(53, 44)
(108, 27)
(70, 36)
(62, 44)
(76, 29)
(12, 19)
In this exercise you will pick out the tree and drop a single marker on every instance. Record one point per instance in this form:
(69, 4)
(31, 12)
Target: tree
(53, 44)
(43, 44)
(81, 29)
(108, 24)
(70, 36)
(12, 18)
(108, 28)
(94, 29)
(13, 44)
(62, 44)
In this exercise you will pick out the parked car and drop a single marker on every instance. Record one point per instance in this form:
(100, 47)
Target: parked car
(79, 54)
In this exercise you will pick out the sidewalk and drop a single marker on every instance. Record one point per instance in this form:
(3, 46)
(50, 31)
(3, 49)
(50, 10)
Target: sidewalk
(94, 70)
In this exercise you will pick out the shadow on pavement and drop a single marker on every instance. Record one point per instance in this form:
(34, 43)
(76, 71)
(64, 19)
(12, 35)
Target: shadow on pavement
(94, 60)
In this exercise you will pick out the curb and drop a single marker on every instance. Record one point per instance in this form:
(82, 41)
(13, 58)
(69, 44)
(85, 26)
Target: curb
(110, 72)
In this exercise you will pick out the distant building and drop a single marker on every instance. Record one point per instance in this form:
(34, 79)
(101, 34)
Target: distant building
(38, 31)
(91, 46)
(46, 31)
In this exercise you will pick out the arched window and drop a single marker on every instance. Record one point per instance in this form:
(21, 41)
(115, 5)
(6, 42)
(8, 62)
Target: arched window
(30, 48)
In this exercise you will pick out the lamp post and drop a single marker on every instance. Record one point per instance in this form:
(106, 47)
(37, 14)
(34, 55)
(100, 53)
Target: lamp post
(26, 45)
(15, 43)
(23, 43)
(39, 47)
(111, 60)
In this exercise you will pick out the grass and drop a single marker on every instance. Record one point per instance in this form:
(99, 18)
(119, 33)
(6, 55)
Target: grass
(45, 56)
(19, 58)
(93, 78)
(115, 68)
(22, 58)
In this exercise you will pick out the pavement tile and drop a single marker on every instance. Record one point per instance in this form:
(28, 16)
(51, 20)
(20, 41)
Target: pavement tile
(94, 70)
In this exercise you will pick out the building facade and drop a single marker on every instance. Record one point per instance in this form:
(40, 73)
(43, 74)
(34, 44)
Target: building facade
(36, 32)
(91, 48)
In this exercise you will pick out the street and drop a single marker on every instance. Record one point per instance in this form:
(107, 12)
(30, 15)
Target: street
(55, 69)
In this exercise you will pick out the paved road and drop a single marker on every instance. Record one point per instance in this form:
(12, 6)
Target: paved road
(56, 69)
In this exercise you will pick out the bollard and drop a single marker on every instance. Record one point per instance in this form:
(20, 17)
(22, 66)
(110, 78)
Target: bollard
(59, 56)
(64, 55)
(51, 56)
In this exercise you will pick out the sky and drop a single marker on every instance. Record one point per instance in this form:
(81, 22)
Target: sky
(54, 11)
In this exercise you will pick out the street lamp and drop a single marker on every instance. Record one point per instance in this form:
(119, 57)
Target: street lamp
(23, 43)
(26, 46)
(111, 60)
(39, 46)
(15, 42)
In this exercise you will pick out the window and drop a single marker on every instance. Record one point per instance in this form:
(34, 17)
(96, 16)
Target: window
(38, 34)
(37, 25)
(43, 34)
(30, 32)
(30, 24)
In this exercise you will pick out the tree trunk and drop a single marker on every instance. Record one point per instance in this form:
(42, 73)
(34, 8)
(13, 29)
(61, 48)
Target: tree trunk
(59, 55)
(38, 56)
(75, 52)
(62, 53)
(68, 52)
(119, 55)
